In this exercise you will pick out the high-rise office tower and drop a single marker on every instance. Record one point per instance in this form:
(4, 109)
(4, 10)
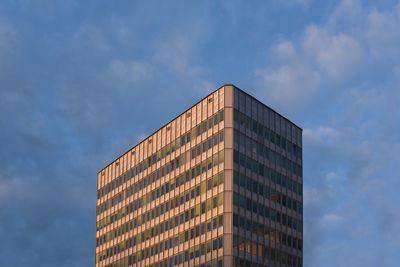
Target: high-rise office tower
(219, 185)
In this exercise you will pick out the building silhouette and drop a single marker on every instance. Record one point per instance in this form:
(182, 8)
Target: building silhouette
(219, 185)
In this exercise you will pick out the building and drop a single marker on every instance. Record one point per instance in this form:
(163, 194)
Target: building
(219, 185)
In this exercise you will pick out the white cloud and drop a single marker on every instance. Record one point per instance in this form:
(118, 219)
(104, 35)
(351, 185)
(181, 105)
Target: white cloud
(299, 78)
(168, 57)
(304, 3)
(284, 50)
(130, 70)
(92, 36)
(9, 42)
(383, 34)
(316, 196)
(328, 60)
(347, 14)
(336, 55)
(290, 85)
(176, 51)
(331, 176)
(319, 134)
(7, 188)
(331, 219)
(396, 73)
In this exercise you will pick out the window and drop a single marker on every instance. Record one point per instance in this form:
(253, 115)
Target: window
(215, 139)
(215, 119)
(214, 244)
(198, 191)
(204, 126)
(183, 139)
(210, 123)
(221, 115)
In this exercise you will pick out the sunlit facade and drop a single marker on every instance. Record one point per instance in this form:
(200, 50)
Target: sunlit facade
(220, 185)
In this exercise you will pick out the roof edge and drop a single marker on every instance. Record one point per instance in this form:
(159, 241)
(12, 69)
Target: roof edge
(163, 126)
(266, 106)
(227, 84)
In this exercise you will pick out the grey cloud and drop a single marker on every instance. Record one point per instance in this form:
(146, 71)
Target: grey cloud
(66, 111)
(353, 149)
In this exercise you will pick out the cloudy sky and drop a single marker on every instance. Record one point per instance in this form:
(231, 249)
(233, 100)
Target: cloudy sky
(82, 81)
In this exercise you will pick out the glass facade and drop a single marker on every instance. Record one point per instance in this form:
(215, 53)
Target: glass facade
(217, 186)
(267, 186)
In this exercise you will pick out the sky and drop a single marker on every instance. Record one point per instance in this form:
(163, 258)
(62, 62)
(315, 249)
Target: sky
(83, 81)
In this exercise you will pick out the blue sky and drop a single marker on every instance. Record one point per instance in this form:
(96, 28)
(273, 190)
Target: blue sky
(82, 81)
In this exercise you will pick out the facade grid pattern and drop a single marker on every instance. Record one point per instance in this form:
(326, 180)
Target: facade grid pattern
(219, 185)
